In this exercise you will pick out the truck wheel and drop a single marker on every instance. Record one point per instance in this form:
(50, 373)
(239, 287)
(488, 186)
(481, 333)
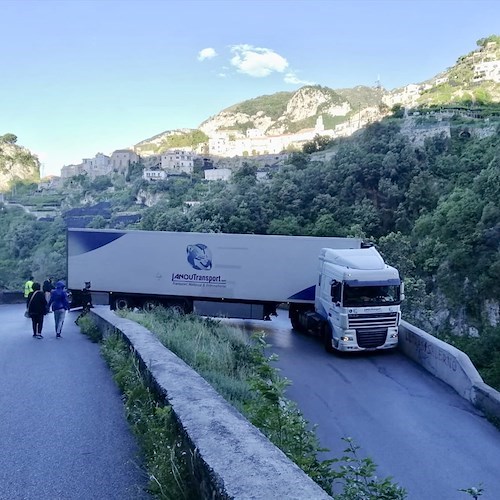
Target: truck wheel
(327, 338)
(122, 303)
(294, 320)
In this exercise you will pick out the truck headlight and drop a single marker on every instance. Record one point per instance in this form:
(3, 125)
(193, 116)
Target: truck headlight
(347, 338)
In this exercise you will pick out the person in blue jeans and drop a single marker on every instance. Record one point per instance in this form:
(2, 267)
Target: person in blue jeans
(59, 304)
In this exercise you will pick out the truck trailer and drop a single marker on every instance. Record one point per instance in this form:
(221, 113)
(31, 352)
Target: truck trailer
(334, 287)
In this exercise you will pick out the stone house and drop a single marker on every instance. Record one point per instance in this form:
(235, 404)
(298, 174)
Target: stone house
(121, 159)
(71, 171)
(99, 165)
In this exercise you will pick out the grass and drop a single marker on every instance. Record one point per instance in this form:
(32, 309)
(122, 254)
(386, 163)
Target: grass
(220, 354)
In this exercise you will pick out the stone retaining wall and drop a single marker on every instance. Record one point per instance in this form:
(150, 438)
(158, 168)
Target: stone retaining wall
(11, 297)
(231, 458)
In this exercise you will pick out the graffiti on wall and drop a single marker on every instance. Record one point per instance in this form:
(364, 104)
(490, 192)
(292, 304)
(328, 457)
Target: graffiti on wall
(427, 352)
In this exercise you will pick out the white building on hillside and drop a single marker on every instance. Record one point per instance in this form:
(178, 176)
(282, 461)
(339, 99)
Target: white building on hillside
(178, 161)
(154, 174)
(488, 70)
(218, 174)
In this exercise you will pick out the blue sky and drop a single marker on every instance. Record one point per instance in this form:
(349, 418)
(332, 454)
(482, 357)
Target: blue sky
(78, 77)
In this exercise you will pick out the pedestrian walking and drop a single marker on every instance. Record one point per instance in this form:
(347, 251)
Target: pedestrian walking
(59, 303)
(28, 288)
(37, 309)
(47, 287)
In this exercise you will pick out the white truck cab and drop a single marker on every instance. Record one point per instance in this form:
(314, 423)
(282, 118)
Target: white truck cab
(357, 301)
(359, 296)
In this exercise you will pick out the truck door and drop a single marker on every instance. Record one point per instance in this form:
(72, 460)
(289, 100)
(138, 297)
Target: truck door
(327, 305)
(323, 301)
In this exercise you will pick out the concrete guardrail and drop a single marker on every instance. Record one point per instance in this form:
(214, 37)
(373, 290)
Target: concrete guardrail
(450, 365)
(231, 459)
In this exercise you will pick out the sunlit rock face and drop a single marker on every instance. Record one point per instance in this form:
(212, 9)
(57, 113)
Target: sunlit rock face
(17, 163)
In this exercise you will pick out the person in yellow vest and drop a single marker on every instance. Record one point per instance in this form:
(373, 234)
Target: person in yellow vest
(28, 288)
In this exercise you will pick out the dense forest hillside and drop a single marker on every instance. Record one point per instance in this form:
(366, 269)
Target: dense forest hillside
(432, 207)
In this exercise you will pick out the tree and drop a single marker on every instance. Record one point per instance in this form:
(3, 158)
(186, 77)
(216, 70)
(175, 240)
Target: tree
(289, 225)
(245, 177)
(8, 139)
(99, 222)
(319, 143)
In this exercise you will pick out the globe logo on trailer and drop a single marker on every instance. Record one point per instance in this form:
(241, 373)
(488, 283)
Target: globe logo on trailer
(199, 256)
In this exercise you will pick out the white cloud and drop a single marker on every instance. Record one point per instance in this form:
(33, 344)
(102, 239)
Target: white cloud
(207, 53)
(293, 79)
(256, 61)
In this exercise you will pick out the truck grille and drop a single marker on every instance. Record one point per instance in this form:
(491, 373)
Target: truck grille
(371, 329)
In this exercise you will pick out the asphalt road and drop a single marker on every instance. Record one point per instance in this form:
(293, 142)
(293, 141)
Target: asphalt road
(63, 433)
(415, 427)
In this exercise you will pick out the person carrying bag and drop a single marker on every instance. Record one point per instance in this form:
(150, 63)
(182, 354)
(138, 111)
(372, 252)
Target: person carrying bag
(37, 309)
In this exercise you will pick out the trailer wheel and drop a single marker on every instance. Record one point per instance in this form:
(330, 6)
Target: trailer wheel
(327, 338)
(149, 305)
(177, 308)
(122, 303)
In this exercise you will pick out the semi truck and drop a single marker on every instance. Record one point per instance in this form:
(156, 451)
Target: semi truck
(337, 288)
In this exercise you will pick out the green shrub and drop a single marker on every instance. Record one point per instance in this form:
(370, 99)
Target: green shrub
(89, 328)
(153, 425)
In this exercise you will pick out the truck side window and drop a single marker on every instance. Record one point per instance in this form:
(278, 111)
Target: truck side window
(335, 291)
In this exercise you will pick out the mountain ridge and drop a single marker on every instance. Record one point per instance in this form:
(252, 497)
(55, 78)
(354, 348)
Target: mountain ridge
(474, 79)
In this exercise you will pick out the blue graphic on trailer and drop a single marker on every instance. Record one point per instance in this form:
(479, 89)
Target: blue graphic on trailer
(306, 294)
(199, 256)
(86, 241)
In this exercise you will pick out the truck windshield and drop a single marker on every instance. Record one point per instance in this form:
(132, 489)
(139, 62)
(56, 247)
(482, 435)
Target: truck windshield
(355, 296)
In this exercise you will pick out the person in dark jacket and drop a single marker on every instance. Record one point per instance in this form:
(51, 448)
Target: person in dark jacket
(47, 287)
(37, 309)
(59, 303)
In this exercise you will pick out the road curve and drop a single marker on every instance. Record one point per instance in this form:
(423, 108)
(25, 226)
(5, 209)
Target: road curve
(63, 432)
(415, 427)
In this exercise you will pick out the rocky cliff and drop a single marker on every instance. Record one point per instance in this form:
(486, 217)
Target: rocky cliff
(289, 112)
(474, 79)
(16, 163)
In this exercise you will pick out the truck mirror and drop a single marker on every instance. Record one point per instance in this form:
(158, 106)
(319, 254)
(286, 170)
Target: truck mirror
(335, 291)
